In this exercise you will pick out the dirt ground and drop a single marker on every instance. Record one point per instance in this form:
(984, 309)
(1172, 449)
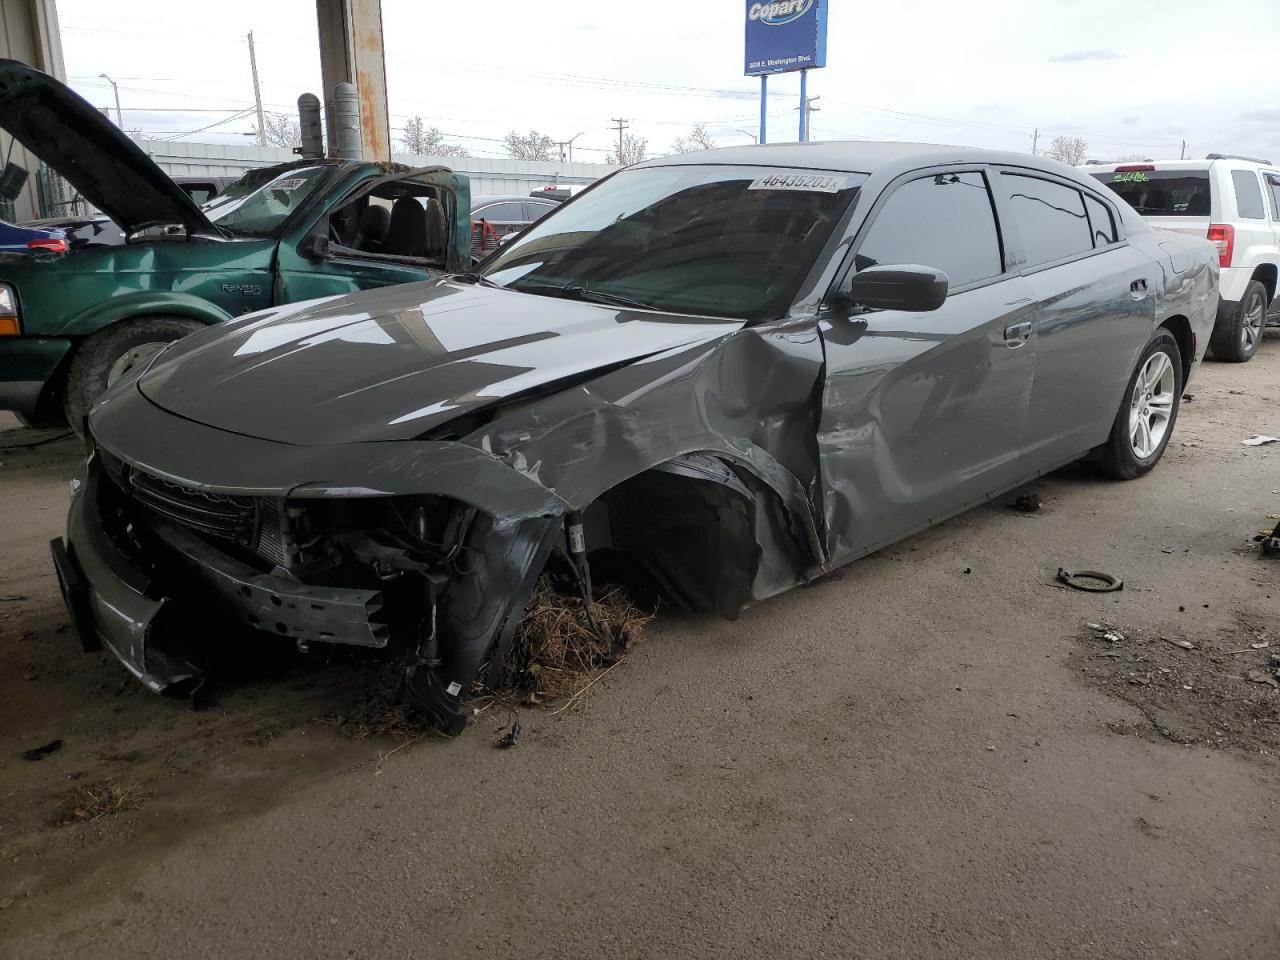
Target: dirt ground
(928, 754)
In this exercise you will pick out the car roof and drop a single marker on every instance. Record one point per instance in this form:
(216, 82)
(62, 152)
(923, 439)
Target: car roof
(478, 200)
(857, 156)
(1232, 162)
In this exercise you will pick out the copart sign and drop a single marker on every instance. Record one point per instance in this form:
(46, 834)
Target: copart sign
(785, 35)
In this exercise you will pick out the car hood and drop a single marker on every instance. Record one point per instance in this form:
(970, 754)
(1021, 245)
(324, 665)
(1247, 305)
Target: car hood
(90, 152)
(399, 362)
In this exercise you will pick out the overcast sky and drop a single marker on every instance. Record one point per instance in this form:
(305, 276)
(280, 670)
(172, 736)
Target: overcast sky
(1130, 76)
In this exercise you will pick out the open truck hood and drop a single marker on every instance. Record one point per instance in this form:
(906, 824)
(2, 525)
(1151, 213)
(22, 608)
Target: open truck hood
(398, 362)
(91, 153)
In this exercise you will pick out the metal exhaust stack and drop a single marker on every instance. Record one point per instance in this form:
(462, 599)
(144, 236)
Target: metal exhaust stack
(312, 128)
(346, 122)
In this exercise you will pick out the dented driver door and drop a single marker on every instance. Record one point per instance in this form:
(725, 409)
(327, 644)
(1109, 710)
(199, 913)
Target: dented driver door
(924, 414)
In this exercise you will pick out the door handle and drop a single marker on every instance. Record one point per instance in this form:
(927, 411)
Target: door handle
(1016, 334)
(1138, 289)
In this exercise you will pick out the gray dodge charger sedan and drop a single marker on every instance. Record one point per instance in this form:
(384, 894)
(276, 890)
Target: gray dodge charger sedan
(732, 371)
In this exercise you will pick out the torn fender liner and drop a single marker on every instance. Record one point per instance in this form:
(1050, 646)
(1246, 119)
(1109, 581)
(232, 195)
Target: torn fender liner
(480, 612)
(123, 616)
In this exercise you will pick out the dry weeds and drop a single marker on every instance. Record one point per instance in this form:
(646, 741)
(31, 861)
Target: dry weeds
(93, 801)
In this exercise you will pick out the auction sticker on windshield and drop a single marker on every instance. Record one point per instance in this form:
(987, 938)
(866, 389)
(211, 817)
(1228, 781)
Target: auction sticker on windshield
(818, 183)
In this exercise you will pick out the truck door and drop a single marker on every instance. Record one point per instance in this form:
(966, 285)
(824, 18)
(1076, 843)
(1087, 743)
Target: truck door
(393, 229)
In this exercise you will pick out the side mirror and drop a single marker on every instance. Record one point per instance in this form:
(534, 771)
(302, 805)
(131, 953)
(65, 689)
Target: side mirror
(315, 247)
(903, 287)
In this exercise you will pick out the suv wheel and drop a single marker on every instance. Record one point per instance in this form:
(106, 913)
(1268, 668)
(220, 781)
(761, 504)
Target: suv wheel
(1148, 412)
(110, 354)
(1235, 338)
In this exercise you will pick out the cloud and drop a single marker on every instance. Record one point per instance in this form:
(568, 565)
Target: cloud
(990, 108)
(1268, 114)
(1080, 56)
(1129, 121)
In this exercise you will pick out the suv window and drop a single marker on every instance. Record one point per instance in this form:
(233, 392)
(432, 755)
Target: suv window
(1050, 217)
(1273, 184)
(1248, 195)
(945, 221)
(1161, 193)
(1100, 221)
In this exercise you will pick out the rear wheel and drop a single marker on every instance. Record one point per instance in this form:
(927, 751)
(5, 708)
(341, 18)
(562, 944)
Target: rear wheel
(1236, 337)
(1148, 412)
(111, 354)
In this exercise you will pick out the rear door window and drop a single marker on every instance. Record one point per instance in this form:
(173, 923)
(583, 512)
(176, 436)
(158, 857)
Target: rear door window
(1248, 195)
(1161, 193)
(944, 221)
(1051, 218)
(501, 213)
(1100, 221)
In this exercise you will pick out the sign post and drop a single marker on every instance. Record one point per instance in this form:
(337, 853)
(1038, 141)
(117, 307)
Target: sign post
(783, 36)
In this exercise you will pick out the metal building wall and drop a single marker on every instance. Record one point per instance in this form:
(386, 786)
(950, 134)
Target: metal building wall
(487, 176)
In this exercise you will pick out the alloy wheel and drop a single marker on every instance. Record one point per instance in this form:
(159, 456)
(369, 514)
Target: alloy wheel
(1254, 318)
(1151, 405)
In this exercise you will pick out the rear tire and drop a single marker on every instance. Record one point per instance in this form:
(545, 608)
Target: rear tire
(1148, 412)
(112, 353)
(1235, 338)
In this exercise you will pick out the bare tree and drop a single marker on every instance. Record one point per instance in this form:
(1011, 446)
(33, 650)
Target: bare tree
(281, 130)
(698, 139)
(530, 146)
(634, 149)
(1070, 150)
(422, 140)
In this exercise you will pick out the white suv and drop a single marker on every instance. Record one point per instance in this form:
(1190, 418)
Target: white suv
(1235, 202)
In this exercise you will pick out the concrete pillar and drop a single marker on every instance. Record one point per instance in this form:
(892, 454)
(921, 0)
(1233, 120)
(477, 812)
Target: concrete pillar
(351, 52)
(29, 32)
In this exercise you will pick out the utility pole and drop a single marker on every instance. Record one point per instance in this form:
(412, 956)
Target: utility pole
(809, 111)
(257, 94)
(119, 119)
(1182, 154)
(622, 125)
(562, 144)
(1035, 140)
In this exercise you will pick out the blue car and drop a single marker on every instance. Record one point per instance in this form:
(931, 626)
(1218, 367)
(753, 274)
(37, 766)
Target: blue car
(16, 239)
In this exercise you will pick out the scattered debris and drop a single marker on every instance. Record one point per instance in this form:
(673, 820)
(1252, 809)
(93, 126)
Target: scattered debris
(1257, 676)
(1181, 644)
(1140, 679)
(1090, 581)
(1104, 632)
(39, 753)
(380, 712)
(1259, 439)
(14, 598)
(97, 800)
(511, 738)
(558, 652)
(990, 746)
(1167, 550)
(1027, 503)
(1261, 645)
(1188, 397)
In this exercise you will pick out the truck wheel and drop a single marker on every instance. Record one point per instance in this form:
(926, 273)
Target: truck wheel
(1235, 338)
(1148, 412)
(110, 354)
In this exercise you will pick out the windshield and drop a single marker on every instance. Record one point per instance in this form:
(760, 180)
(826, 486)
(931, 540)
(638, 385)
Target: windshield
(1162, 193)
(729, 241)
(260, 209)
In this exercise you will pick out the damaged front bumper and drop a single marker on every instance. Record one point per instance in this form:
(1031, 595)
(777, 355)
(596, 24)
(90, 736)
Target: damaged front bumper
(135, 580)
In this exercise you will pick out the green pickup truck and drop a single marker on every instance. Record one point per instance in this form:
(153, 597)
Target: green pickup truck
(72, 323)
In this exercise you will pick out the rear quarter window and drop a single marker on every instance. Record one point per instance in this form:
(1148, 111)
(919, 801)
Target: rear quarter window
(1248, 195)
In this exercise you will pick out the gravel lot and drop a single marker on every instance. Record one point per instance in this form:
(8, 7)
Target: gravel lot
(928, 754)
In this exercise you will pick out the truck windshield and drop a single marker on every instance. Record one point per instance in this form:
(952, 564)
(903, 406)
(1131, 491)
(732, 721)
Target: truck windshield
(260, 209)
(717, 240)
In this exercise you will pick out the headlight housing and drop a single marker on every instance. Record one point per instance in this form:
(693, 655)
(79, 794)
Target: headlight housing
(8, 311)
